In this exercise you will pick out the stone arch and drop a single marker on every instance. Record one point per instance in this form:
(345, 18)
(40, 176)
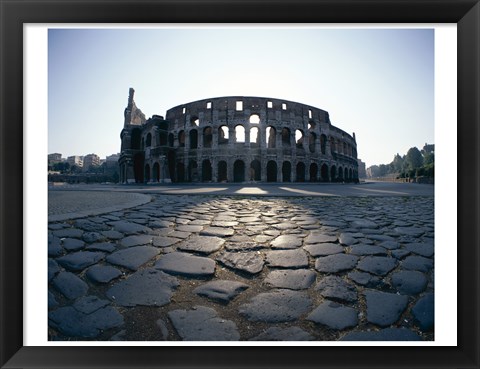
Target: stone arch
(313, 172)
(285, 136)
(254, 119)
(138, 167)
(239, 171)
(333, 148)
(192, 171)
(171, 157)
(148, 141)
(286, 171)
(345, 174)
(171, 140)
(300, 172)
(239, 133)
(223, 135)
(255, 170)
(206, 171)
(194, 121)
(193, 139)
(181, 138)
(163, 138)
(312, 138)
(207, 137)
(299, 137)
(156, 172)
(350, 174)
(272, 171)
(340, 174)
(312, 125)
(254, 136)
(136, 139)
(333, 173)
(222, 171)
(323, 144)
(147, 173)
(271, 135)
(180, 172)
(324, 173)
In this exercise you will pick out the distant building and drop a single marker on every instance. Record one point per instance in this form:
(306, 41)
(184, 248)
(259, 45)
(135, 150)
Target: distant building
(362, 172)
(75, 160)
(428, 148)
(113, 157)
(90, 160)
(54, 158)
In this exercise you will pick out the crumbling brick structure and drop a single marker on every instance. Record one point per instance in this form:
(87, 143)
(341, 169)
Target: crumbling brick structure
(235, 139)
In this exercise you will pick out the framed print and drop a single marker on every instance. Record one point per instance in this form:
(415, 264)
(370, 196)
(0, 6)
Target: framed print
(19, 229)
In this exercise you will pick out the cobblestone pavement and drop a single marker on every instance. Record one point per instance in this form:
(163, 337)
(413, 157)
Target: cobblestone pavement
(203, 268)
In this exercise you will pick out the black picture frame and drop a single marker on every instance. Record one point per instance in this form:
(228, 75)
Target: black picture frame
(14, 13)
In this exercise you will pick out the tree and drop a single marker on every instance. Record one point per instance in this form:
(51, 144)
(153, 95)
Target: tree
(413, 159)
(398, 163)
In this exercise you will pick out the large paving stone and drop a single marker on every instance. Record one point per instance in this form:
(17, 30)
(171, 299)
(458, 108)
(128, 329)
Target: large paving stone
(147, 287)
(113, 235)
(164, 241)
(424, 312)
(286, 242)
(89, 226)
(54, 246)
(89, 304)
(53, 269)
(423, 249)
(187, 265)
(101, 246)
(287, 258)
(80, 260)
(367, 250)
(347, 239)
(364, 279)
(129, 227)
(217, 231)
(70, 285)
(134, 257)
(278, 306)
(68, 232)
(419, 263)
(410, 231)
(93, 237)
(336, 288)
(102, 273)
(221, 290)
(189, 228)
(73, 244)
(284, 334)
(384, 308)
(291, 279)
(336, 263)
(390, 245)
(136, 240)
(323, 249)
(201, 244)
(203, 324)
(378, 265)
(334, 315)
(71, 322)
(316, 237)
(409, 282)
(250, 262)
(387, 334)
(364, 223)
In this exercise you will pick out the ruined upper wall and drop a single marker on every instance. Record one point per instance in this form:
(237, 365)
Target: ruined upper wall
(132, 114)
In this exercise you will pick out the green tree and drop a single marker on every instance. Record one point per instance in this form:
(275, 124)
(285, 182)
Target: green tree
(413, 159)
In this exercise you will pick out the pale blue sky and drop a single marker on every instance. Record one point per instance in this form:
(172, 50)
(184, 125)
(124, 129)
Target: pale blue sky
(378, 83)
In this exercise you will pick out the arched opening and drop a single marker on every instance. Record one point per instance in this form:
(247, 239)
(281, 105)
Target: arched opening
(286, 171)
(171, 165)
(181, 138)
(345, 175)
(255, 171)
(239, 171)
(311, 125)
(223, 135)
(222, 171)
(207, 137)
(333, 148)
(300, 172)
(193, 139)
(194, 121)
(147, 173)
(285, 137)
(180, 172)
(163, 138)
(239, 134)
(254, 137)
(148, 141)
(170, 140)
(313, 172)
(254, 119)
(271, 171)
(206, 171)
(156, 172)
(333, 173)
(299, 139)
(324, 173)
(312, 138)
(323, 144)
(340, 174)
(192, 171)
(350, 174)
(271, 137)
(136, 139)
(138, 167)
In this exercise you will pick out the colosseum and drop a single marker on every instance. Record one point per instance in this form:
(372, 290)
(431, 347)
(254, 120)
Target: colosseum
(235, 139)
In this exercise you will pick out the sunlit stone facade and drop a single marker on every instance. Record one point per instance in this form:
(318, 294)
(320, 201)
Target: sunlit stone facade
(236, 139)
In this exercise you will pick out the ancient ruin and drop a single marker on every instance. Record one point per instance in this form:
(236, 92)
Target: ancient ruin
(235, 139)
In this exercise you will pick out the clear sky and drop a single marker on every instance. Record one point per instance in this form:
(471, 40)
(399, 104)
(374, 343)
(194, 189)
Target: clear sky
(378, 83)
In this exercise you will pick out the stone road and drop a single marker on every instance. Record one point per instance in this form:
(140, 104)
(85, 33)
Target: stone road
(216, 268)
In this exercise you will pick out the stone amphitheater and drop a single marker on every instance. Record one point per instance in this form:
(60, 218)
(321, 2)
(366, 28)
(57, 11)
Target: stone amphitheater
(235, 139)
